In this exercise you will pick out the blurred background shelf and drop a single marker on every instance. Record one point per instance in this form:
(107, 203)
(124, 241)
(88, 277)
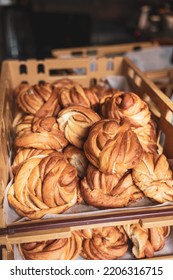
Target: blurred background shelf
(32, 28)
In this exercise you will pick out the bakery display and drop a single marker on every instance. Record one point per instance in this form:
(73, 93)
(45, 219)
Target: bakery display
(100, 243)
(93, 146)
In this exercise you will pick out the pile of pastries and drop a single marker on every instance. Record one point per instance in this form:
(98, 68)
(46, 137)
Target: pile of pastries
(106, 243)
(93, 146)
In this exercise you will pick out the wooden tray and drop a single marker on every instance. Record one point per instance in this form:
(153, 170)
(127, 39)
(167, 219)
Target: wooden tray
(33, 71)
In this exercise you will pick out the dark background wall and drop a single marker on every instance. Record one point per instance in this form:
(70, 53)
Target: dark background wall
(32, 28)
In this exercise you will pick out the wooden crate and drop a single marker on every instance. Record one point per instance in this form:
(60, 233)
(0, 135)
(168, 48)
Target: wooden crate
(162, 78)
(15, 72)
(99, 51)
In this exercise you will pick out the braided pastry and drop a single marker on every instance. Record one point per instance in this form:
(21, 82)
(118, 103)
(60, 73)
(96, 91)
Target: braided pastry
(141, 245)
(108, 191)
(75, 122)
(154, 177)
(42, 186)
(77, 158)
(146, 241)
(112, 148)
(24, 154)
(57, 249)
(21, 87)
(107, 243)
(40, 100)
(157, 237)
(126, 106)
(73, 96)
(147, 137)
(93, 99)
(40, 133)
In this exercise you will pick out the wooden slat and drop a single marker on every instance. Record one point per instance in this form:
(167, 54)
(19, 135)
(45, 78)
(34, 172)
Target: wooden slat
(157, 222)
(35, 236)
(100, 50)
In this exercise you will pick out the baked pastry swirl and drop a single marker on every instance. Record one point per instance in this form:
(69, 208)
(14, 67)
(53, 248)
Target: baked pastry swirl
(146, 241)
(40, 100)
(40, 133)
(44, 185)
(73, 96)
(107, 243)
(75, 122)
(112, 148)
(126, 107)
(57, 249)
(154, 177)
(141, 245)
(108, 191)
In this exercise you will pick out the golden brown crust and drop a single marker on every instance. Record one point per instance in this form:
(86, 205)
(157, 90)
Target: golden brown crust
(107, 243)
(24, 154)
(158, 236)
(64, 83)
(154, 177)
(57, 249)
(44, 185)
(108, 191)
(21, 87)
(85, 233)
(40, 100)
(101, 92)
(92, 98)
(75, 122)
(77, 158)
(147, 137)
(112, 148)
(73, 96)
(126, 106)
(40, 133)
(139, 236)
(146, 241)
